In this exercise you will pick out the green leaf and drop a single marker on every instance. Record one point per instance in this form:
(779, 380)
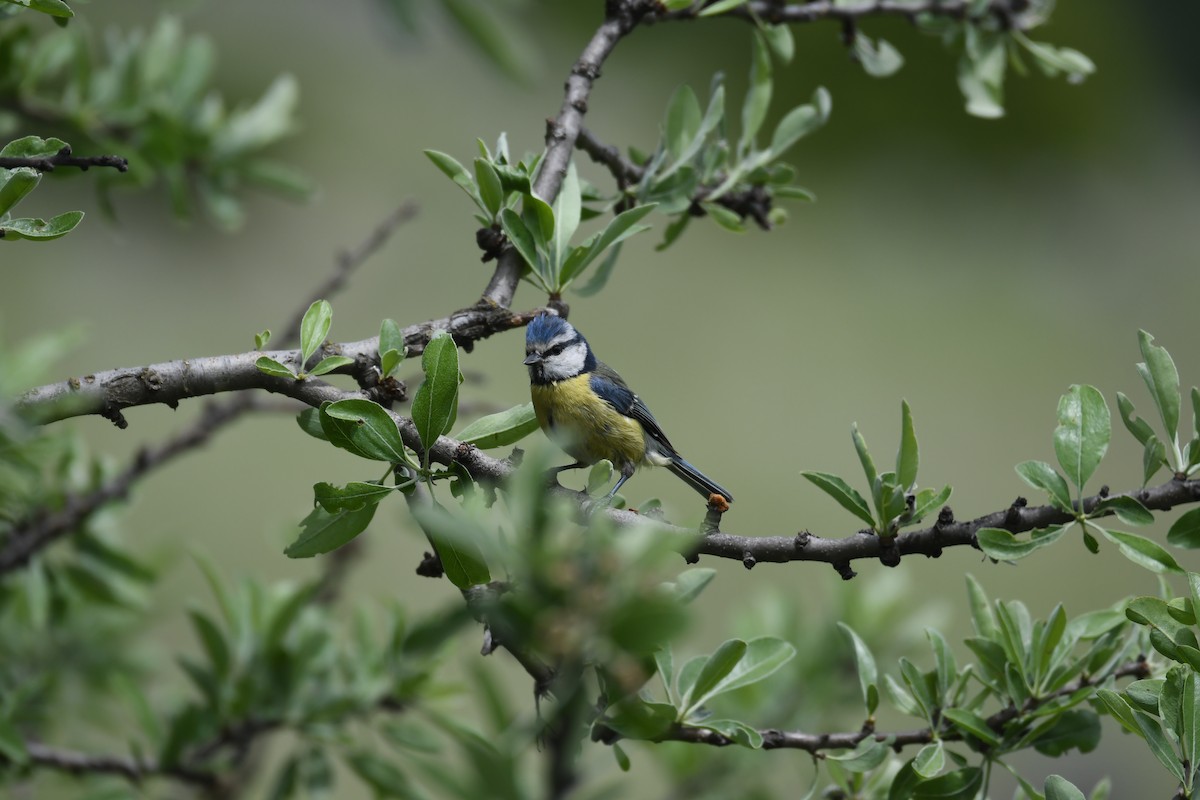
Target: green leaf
(1041, 475)
(758, 94)
(1160, 746)
(436, 402)
(40, 230)
(1003, 546)
(900, 698)
(690, 583)
(973, 724)
(309, 421)
(779, 37)
(352, 496)
(735, 731)
(500, 429)
(864, 455)
(726, 218)
(453, 170)
(213, 641)
(17, 183)
(453, 539)
(314, 328)
(1127, 509)
(868, 755)
(599, 475)
(273, 368)
(907, 457)
(795, 125)
(1059, 788)
(380, 774)
(635, 718)
(930, 760)
(682, 123)
(329, 364)
(261, 339)
(757, 659)
(878, 60)
(1140, 429)
(490, 190)
(843, 493)
(1120, 710)
(1072, 729)
(961, 784)
(622, 758)
(618, 230)
(1162, 379)
(1189, 709)
(364, 428)
(322, 531)
(489, 29)
(567, 210)
(868, 674)
(391, 338)
(721, 6)
(1185, 531)
(1143, 551)
(981, 610)
(1083, 432)
(519, 236)
(715, 669)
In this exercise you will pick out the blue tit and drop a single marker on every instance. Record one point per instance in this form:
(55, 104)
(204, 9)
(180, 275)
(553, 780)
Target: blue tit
(586, 408)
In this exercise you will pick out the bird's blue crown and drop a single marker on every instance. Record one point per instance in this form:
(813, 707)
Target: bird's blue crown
(545, 327)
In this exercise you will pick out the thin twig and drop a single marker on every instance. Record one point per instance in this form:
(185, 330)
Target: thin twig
(63, 158)
(28, 538)
(817, 742)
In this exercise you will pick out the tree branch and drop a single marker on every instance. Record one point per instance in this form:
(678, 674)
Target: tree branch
(63, 158)
(621, 17)
(776, 13)
(817, 742)
(108, 393)
(133, 770)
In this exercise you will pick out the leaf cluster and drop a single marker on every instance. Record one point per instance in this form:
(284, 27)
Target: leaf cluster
(16, 183)
(149, 96)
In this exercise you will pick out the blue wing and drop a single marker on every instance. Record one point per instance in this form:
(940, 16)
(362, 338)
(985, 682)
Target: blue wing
(611, 388)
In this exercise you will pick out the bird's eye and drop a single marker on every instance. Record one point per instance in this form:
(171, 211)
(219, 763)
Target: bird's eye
(553, 351)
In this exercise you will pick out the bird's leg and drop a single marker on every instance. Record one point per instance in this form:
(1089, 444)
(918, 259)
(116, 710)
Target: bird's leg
(626, 474)
(552, 474)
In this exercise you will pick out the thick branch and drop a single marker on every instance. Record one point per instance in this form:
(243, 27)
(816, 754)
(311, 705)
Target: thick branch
(63, 158)
(816, 742)
(107, 393)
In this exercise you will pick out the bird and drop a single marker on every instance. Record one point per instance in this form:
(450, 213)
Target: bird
(585, 407)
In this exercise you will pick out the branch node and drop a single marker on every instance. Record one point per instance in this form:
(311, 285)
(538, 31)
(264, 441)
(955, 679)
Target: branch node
(115, 416)
(843, 569)
(586, 69)
(802, 539)
(748, 560)
(889, 553)
(1012, 517)
(431, 567)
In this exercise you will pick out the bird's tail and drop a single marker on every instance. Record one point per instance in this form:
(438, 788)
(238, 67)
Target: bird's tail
(697, 479)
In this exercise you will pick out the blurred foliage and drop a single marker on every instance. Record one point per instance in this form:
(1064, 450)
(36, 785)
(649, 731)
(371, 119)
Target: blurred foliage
(594, 614)
(147, 95)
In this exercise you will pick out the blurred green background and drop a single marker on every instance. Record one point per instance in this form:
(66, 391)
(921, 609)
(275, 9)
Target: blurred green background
(975, 268)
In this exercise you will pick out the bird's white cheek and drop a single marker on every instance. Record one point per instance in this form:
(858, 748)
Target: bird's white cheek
(566, 364)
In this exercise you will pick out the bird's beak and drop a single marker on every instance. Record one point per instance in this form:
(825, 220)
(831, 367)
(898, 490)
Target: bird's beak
(532, 358)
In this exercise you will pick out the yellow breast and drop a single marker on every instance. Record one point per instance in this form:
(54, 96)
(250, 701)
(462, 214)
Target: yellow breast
(585, 426)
